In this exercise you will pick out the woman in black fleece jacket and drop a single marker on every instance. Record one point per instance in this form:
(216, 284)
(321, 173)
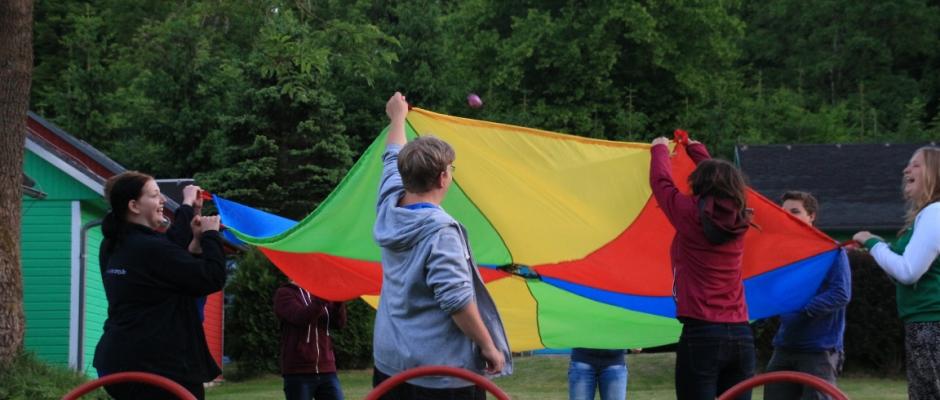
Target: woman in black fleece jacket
(151, 284)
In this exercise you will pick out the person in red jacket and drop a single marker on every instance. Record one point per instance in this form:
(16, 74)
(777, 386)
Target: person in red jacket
(307, 360)
(716, 348)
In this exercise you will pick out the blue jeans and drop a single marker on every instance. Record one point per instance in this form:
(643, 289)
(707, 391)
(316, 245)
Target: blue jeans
(711, 358)
(584, 379)
(312, 386)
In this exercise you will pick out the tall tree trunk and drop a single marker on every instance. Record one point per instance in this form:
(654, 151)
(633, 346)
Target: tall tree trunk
(16, 66)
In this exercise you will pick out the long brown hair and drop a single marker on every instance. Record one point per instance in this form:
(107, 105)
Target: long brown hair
(119, 191)
(931, 182)
(719, 179)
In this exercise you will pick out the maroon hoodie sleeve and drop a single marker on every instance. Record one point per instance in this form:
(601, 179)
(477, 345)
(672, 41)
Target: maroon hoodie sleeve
(338, 313)
(679, 208)
(291, 309)
(697, 152)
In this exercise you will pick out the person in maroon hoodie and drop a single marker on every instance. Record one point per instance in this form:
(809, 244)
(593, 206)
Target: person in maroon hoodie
(307, 360)
(716, 348)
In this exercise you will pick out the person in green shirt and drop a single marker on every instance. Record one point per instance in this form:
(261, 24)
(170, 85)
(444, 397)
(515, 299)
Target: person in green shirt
(912, 262)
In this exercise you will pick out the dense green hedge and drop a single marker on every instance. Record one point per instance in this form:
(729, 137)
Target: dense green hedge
(354, 342)
(874, 335)
(252, 336)
(30, 378)
(251, 329)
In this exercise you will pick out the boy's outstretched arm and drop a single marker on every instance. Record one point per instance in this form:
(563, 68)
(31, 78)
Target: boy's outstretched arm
(397, 110)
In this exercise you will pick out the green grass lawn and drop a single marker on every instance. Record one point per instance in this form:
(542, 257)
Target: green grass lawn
(545, 377)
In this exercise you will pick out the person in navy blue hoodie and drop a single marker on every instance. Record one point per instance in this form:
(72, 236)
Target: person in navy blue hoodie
(151, 283)
(810, 340)
(308, 362)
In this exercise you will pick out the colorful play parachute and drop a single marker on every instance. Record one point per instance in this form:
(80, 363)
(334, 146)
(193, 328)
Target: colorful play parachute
(571, 243)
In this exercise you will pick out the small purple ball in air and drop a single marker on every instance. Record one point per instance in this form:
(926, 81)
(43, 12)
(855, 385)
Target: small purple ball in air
(474, 101)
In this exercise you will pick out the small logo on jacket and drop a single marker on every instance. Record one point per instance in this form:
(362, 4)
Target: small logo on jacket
(116, 271)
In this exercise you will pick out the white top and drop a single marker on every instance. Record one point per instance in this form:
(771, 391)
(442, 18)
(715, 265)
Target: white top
(920, 252)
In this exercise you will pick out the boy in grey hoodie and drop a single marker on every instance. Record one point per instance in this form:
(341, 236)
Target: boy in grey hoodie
(434, 309)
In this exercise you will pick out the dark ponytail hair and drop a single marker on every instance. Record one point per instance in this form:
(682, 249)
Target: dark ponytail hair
(719, 179)
(119, 191)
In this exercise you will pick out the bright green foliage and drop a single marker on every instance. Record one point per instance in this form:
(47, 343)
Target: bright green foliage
(146, 93)
(178, 87)
(30, 378)
(291, 120)
(872, 58)
(597, 69)
(270, 103)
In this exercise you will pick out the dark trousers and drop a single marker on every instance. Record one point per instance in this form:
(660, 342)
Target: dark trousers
(141, 391)
(922, 348)
(407, 391)
(312, 386)
(711, 358)
(822, 364)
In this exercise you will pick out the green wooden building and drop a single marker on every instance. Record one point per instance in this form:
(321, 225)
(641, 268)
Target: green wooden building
(65, 305)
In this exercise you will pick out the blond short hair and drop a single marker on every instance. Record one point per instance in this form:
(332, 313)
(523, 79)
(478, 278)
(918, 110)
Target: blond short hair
(421, 162)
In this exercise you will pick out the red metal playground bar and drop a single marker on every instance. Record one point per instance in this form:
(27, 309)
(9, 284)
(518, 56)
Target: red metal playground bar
(489, 386)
